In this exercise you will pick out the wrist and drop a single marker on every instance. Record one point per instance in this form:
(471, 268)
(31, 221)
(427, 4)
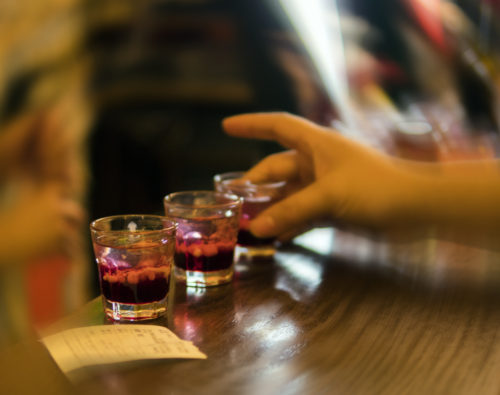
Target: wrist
(411, 187)
(451, 195)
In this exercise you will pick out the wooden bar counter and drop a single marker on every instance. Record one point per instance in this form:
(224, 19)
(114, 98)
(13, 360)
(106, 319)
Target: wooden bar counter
(331, 314)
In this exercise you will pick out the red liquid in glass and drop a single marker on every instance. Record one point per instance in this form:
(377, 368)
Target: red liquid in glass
(247, 239)
(134, 275)
(250, 209)
(206, 244)
(204, 257)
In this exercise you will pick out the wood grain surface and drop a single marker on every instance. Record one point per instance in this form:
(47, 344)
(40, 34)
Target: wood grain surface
(359, 317)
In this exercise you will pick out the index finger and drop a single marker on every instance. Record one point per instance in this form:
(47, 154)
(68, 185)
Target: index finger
(289, 130)
(276, 167)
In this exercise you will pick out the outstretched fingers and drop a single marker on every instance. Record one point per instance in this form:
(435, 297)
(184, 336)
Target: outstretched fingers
(282, 166)
(288, 130)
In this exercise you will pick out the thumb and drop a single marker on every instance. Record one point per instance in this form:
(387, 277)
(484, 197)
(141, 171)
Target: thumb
(292, 212)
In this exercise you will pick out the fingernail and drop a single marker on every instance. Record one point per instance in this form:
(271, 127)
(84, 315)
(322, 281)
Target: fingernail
(263, 226)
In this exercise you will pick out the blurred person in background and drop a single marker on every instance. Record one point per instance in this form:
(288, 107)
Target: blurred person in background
(44, 118)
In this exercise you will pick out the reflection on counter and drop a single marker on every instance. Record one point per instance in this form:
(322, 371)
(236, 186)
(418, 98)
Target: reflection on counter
(301, 275)
(320, 240)
(430, 260)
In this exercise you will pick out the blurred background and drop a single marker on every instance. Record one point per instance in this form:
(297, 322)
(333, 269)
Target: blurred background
(139, 89)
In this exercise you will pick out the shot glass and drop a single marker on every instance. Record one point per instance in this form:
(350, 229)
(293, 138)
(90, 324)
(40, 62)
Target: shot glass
(256, 198)
(207, 227)
(135, 255)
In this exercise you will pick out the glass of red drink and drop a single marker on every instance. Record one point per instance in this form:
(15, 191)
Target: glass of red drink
(134, 255)
(207, 227)
(256, 198)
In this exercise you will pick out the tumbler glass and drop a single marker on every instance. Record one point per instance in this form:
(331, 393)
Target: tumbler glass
(134, 255)
(256, 198)
(206, 235)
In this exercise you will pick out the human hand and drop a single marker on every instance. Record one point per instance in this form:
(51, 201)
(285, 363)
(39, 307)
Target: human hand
(329, 175)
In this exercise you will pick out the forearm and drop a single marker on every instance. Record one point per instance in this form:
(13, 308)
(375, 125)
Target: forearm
(456, 195)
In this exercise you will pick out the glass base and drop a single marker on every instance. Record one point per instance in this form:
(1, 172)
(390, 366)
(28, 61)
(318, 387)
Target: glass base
(257, 252)
(204, 279)
(117, 311)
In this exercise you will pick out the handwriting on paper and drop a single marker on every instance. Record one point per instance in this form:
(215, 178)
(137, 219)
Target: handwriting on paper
(104, 344)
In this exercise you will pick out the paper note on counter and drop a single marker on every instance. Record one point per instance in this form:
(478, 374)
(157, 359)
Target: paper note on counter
(103, 344)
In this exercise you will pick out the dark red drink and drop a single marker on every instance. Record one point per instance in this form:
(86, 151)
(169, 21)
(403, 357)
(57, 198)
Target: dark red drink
(207, 227)
(247, 239)
(134, 286)
(204, 257)
(256, 198)
(250, 209)
(135, 257)
(135, 274)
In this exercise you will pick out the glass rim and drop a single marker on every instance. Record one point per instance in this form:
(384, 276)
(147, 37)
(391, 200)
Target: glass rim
(235, 200)
(239, 174)
(171, 227)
